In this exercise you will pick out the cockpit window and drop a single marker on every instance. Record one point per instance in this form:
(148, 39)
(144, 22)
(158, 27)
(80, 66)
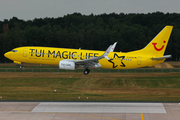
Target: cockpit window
(14, 50)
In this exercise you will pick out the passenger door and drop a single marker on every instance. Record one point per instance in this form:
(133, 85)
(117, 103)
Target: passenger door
(139, 60)
(25, 50)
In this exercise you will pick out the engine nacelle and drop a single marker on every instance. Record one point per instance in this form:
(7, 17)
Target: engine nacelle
(66, 65)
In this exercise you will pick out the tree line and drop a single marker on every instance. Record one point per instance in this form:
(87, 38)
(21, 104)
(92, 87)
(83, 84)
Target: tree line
(95, 32)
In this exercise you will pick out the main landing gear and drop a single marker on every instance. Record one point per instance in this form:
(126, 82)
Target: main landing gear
(86, 71)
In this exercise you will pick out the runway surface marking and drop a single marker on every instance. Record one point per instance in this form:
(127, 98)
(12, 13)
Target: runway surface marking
(97, 107)
(142, 116)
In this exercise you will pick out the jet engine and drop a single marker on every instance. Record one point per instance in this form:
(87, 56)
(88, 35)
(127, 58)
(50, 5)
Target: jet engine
(66, 65)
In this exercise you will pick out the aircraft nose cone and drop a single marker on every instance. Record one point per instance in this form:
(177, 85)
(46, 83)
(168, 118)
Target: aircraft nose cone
(7, 55)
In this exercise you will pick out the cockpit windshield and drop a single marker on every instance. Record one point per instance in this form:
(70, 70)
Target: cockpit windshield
(14, 50)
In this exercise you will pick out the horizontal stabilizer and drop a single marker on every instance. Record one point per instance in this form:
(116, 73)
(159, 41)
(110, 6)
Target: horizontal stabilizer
(160, 58)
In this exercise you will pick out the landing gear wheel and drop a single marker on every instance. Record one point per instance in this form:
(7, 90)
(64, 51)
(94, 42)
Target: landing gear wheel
(86, 71)
(21, 66)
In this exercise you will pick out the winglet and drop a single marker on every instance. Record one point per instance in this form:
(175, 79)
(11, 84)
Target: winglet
(110, 49)
(113, 47)
(107, 51)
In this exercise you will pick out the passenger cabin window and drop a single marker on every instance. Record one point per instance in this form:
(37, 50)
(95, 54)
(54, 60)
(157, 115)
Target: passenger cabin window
(14, 50)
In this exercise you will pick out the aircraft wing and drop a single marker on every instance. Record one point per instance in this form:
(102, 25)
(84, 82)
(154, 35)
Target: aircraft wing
(160, 58)
(94, 62)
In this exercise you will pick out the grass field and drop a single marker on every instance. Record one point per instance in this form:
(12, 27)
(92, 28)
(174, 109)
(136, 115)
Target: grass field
(166, 64)
(95, 86)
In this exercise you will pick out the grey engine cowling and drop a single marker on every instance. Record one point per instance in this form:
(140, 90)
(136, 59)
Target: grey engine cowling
(66, 65)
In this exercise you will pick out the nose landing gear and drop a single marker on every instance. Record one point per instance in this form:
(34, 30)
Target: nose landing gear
(20, 66)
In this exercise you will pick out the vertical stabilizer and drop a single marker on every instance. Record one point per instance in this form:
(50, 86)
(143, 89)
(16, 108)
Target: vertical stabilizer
(158, 45)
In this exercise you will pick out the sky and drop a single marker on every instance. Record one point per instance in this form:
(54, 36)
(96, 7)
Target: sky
(31, 9)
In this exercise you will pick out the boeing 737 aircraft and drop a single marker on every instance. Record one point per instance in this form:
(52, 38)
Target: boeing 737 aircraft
(70, 59)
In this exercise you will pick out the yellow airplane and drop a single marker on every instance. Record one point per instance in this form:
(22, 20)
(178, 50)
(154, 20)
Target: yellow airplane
(70, 59)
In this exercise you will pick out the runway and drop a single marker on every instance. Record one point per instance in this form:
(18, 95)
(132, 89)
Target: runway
(88, 111)
(96, 107)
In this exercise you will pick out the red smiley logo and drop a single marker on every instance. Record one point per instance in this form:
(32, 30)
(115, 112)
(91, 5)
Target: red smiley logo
(158, 49)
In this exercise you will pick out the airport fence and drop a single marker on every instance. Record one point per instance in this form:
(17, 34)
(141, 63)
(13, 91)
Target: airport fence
(139, 70)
